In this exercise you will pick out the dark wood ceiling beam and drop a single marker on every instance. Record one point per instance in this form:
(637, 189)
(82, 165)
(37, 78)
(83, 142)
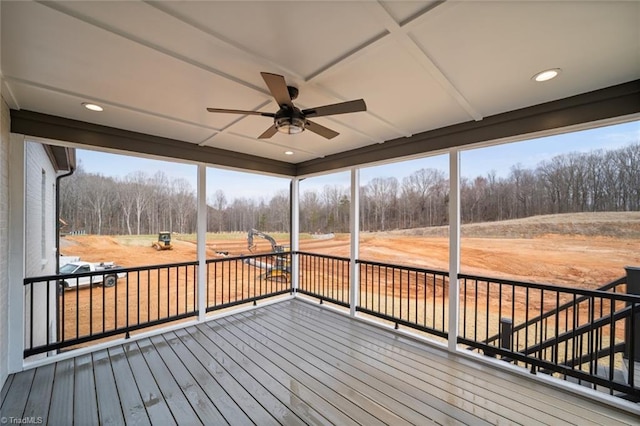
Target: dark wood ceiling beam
(83, 133)
(616, 101)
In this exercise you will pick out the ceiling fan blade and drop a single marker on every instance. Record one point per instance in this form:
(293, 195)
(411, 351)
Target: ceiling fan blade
(239, 111)
(321, 130)
(269, 132)
(278, 88)
(341, 108)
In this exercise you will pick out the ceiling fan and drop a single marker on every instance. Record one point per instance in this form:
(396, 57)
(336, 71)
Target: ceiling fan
(291, 120)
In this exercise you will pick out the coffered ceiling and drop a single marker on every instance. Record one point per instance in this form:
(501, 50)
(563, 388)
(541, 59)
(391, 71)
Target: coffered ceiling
(419, 65)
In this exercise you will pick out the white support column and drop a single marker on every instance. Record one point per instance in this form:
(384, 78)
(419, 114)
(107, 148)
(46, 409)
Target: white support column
(202, 242)
(354, 229)
(454, 247)
(17, 194)
(295, 233)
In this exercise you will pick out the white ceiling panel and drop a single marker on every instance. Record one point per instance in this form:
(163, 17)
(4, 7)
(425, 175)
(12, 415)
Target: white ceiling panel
(490, 50)
(153, 25)
(419, 65)
(47, 102)
(303, 37)
(403, 11)
(274, 148)
(117, 71)
(397, 89)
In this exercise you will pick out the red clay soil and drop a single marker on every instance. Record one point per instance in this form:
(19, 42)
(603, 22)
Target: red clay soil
(579, 261)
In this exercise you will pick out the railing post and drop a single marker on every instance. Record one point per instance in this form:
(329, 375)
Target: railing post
(506, 334)
(632, 331)
(202, 242)
(294, 237)
(454, 248)
(354, 228)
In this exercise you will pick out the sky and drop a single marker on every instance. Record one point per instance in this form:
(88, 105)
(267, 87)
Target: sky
(474, 162)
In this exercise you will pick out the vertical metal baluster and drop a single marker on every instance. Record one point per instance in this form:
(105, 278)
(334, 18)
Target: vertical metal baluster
(557, 329)
(486, 331)
(541, 351)
(77, 307)
(31, 316)
(138, 298)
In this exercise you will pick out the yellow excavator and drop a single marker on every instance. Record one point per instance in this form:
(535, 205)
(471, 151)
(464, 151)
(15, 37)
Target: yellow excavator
(280, 268)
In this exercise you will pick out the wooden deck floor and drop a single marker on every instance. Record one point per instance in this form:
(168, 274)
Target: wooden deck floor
(287, 363)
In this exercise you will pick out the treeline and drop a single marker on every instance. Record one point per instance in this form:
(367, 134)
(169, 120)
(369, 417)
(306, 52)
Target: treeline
(144, 204)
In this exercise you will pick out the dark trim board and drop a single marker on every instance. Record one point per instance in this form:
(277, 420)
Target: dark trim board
(615, 101)
(290, 362)
(63, 129)
(611, 102)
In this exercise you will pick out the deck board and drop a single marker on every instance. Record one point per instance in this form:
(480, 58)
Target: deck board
(308, 405)
(109, 409)
(442, 386)
(203, 376)
(203, 406)
(359, 407)
(40, 395)
(289, 363)
(241, 396)
(5, 389)
(15, 402)
(133, 409)
(172, 393)
(356, 381)
(555, 401)
(61, 407)
(85, 402)
(397, 387)
(154, 403)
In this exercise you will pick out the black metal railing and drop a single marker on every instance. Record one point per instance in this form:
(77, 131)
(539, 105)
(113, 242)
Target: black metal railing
(233, 281)
(575, 334)
(324, 277)
(616, 286)
(405, 295)
(69, 310)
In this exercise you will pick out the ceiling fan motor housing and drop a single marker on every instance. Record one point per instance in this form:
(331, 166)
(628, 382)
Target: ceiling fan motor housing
(293, 92)
(290, 120)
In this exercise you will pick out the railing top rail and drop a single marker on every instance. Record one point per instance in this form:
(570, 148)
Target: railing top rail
(562, 289)
(404, 267)
(116, 270)
(248, 256)
(614, 283)
(324, 256)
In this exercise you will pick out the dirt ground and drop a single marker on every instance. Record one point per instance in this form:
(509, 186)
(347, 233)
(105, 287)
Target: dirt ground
(579, 261)
(584, 261)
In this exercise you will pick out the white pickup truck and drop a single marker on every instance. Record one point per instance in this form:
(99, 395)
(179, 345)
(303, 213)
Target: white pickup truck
(107, 279)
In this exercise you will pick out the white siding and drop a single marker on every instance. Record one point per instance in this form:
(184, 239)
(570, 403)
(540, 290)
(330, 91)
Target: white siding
(40, 256)
(4, 239)
(40, 211)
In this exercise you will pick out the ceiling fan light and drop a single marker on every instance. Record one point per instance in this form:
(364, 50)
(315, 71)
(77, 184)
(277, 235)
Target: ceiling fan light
(290, 125)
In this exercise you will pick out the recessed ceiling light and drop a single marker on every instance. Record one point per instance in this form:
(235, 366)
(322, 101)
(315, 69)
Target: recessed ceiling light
(92, 107)
(288, 152)
(546, 75)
